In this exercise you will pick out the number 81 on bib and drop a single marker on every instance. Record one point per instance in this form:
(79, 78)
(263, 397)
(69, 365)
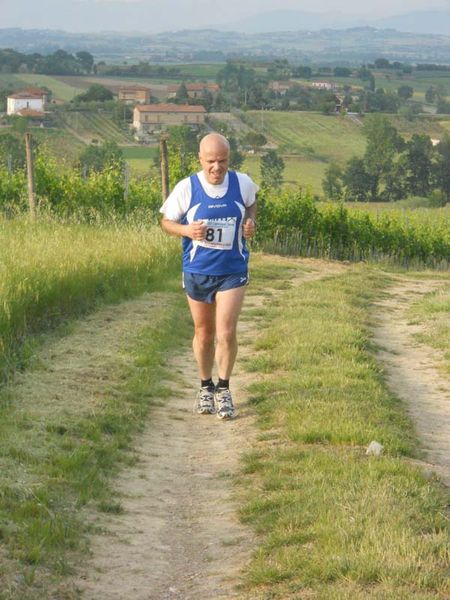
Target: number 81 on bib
(219, 233)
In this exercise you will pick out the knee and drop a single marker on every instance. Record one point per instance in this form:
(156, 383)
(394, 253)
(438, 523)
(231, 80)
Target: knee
(226, 337)
(204, 335)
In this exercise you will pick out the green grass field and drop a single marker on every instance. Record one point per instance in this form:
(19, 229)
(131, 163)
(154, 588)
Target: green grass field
(311, 135)
(419, 81)
(435, 128)
(11, 82)
(139, 152)
(308, 142)
(298, 171)
(60, 90)
(205, 71)
(141, 159)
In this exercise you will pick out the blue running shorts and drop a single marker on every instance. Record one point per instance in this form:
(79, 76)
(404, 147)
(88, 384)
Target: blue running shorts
(204, 288)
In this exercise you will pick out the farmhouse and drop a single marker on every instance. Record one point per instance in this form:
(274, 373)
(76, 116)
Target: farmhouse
(134, 94)
(149, 118)
(323, 85)
(194, 90)
(31, 99)
(281, 87)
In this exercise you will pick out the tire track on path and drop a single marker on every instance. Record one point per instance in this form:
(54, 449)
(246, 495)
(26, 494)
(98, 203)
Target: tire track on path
(412, 372)
(179, 537)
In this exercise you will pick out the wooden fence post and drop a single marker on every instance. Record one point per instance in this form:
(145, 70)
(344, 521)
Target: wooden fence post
(30, 177)
(164, 166)
(126, 181)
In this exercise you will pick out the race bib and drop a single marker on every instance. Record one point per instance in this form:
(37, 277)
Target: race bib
(219, 233)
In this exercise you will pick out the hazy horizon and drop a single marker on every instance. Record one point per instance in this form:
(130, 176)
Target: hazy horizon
(153, 16)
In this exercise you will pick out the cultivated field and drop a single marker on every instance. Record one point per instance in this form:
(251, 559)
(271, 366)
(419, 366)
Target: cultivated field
(89, 125)
(60, 90)
(309, 142)
(298, 171)
(311, 135)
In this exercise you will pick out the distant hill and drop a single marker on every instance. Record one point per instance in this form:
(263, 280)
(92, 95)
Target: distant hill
(289, 20)
(326, 46)
(430, 21)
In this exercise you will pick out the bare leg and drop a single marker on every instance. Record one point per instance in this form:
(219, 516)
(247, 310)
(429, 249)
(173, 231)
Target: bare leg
(228, 307)
(203, 315)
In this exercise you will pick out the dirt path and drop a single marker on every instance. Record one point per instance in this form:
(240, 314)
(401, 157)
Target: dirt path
(179, 536)
(412, 372)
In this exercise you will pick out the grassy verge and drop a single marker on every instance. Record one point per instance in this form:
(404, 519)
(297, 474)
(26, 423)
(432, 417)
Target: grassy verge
(55, 461)
(334, 523)
(433, 312)
(50, 271)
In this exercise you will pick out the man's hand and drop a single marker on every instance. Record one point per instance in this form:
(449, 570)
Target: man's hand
(249, 228)
(196, 230)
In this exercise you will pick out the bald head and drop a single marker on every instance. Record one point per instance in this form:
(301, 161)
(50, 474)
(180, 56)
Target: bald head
(213, 141)
(214, 154)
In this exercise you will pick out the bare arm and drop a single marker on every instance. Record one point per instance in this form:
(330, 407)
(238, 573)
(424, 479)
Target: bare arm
(195, 230)
(249, 228)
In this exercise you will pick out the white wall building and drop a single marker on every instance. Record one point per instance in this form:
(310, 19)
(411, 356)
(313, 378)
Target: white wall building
(33, 101)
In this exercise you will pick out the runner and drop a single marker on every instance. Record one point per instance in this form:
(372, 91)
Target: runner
(213, 211)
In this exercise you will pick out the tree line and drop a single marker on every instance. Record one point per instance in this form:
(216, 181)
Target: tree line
(57, 63)
(392, 168)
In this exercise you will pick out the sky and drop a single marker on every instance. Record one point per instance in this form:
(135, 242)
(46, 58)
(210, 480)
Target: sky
(162, 15)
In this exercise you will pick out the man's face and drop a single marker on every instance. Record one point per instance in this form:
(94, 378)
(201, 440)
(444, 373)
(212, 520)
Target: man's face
(214, 159)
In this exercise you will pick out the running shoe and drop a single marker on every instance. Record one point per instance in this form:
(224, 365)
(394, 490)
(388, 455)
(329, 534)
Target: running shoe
(204, 403)
(224, 404)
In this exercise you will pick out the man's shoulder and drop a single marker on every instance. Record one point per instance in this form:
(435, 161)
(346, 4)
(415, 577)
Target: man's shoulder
(183, 186)
(246, 182)
(244, 177)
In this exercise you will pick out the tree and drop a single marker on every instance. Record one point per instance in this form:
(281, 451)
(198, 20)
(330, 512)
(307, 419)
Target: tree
(3, 98)
(254, 140)
(431, 95)
(12, 151)
(183, 138)
(98, 158)
(405, 92)
(342, 72)
(395, 180)
(332, 182)
(441, 166)
(86, 60)
(383, 142)
(19, 124)
(95, 93)
(419, 151)
(182, 93)
(302, 71)
(271, 168)
(382, 63)
(443, 107)
(236, 157)
(358, 182)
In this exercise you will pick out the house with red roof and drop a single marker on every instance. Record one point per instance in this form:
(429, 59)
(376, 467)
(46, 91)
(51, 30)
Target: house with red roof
(134, 94)
(151, 118)
(30, 99)
(194, 90)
